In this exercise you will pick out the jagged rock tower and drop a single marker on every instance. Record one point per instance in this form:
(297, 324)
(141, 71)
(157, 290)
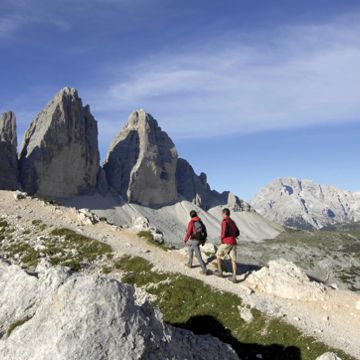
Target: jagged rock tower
(60, 156)
(8, 152)
(141, 162)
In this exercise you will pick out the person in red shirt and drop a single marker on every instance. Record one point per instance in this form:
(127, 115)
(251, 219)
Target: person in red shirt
(194, 227)
(229, 233)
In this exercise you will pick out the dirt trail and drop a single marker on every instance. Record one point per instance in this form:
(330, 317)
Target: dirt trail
(334, 320)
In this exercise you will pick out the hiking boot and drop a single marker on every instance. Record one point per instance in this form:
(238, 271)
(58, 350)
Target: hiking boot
(233, 279)
(218, 273)
(188, 266)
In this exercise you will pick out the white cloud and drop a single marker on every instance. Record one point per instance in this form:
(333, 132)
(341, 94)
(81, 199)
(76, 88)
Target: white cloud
(10, 24)
(298, 76)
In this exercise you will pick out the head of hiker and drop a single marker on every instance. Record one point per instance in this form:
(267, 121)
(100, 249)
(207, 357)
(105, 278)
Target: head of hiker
(225, 213)
(193, 214)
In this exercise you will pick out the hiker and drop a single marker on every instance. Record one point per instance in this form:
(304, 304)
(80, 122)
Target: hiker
(196, 235)
(229, 233)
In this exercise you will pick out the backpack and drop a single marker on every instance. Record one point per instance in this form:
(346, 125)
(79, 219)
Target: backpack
(200, 232)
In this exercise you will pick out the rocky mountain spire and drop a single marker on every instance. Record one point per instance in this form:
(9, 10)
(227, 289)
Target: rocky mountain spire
(141, 162)
(8, 152)
(60, 156)
(196, 189)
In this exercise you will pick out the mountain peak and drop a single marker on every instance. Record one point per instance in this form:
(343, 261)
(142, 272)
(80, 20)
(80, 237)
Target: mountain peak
(306, 204)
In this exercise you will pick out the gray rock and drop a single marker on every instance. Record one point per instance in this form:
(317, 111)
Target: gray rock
(60, 156)
(141, 162)
(88, 317)
(8, 152)
(328, 356)
(196, 189)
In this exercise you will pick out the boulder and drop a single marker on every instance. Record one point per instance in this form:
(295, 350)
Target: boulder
(328, 356)
(8, 152)
(143, 224)
(56, 315)
(141, 162)
(59, 156)
(86, 217)
(284, 279)
(19, 195)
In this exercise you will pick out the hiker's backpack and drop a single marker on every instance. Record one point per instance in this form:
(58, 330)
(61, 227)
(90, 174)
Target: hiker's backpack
(200, 232)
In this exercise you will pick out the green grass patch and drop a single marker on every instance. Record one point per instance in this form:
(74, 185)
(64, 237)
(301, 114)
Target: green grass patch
(191, 304)
(39, 224)
(24, 252)
(16, 324)
(75, 250)
(3, 223)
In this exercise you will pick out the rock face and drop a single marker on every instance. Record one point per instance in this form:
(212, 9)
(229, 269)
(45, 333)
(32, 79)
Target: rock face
(8, 152)
(141, 162)
(196, 189)
(61, 316)
(284, 279)
(328, 356)
(60, 156)
(305, 204)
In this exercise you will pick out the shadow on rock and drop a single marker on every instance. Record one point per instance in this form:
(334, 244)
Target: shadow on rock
(206, 324)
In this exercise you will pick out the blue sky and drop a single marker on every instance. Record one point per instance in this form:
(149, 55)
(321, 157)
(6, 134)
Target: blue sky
(248, 90)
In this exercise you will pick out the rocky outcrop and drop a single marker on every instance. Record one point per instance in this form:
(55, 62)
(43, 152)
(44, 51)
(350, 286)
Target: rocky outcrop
(61, 316)
(141, 162)
(284, 279)
(328, 356)
(60, 156)
(305, 204)
(196, 189)
(8, 152)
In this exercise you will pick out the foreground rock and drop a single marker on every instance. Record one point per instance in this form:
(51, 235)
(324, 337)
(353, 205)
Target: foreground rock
(60, 156)
(305, 204)
(284, 279)
(328, 356)
(141, 162)
(8, 152)
(60, 316)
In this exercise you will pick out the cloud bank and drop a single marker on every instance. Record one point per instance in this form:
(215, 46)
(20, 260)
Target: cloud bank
(294, 77)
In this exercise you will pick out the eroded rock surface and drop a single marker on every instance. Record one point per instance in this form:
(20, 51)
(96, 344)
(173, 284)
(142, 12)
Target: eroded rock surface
(61, 316)
(59, 156)
(8, 152)
(141, 162)
(284, 279)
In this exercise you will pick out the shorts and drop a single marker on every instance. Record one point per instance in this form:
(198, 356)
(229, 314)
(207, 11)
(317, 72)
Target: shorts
(227, 249)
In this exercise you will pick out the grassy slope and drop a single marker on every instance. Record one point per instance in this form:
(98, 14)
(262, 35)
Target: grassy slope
(191, 304)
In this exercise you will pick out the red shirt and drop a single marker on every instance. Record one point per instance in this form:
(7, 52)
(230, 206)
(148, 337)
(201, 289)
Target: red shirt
(190, 229)
(229, 231)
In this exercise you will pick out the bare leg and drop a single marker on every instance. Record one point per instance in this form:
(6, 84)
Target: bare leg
(219, 265)
(234, 267)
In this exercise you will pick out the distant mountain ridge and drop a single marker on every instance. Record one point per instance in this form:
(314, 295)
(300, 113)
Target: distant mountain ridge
(305, 204)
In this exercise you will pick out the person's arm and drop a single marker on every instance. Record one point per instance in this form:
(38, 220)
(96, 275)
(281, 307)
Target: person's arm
(223, 230)
(189, 232)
